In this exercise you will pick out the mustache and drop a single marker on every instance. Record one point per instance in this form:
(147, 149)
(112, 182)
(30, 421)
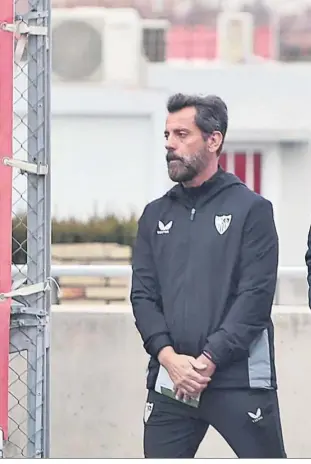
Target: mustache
(171, 156)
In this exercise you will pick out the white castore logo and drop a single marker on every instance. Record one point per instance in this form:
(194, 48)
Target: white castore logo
(255, 417)
(148, 411)
(164, 229)
(222, 223)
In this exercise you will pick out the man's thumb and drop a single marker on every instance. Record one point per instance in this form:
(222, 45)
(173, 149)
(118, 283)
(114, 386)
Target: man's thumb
(197, 364)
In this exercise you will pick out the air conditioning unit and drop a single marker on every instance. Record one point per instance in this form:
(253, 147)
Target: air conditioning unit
(235, 37)
(96, 45)
(154, 33)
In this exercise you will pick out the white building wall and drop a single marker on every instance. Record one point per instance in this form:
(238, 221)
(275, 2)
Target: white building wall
(103, 137)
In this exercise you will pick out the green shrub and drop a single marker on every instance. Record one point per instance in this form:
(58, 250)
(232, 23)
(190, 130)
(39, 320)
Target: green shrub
(105, 229)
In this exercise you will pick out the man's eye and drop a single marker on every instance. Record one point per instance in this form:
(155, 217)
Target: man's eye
(182, 135)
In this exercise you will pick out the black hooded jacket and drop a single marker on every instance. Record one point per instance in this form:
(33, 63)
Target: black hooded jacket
(204, 276)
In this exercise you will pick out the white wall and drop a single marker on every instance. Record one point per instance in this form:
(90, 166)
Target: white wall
(103, 137)
(100, 164)
(98, 368)
(98, 385)
(295, 205)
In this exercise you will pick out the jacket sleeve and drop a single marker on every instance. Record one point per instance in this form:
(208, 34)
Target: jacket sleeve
(145, 294)
(308, 263)
(257, 269)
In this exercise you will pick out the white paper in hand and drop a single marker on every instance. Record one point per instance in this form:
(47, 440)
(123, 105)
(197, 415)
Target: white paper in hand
(165, 386)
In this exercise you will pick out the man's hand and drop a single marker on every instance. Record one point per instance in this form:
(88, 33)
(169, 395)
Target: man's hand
(207, 372)
(210, 367)
(184, 371)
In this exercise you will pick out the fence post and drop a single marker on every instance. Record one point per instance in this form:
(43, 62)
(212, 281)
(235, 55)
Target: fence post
(29, 387)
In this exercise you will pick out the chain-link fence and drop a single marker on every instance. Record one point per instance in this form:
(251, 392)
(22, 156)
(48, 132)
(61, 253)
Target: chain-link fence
(28, 415)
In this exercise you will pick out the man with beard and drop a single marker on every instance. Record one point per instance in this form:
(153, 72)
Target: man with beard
(204, 275)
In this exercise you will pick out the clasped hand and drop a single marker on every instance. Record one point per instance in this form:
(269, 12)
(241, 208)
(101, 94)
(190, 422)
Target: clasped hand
(190, 376)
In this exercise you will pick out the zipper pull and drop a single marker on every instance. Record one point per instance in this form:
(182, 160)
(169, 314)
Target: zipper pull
(193, 211)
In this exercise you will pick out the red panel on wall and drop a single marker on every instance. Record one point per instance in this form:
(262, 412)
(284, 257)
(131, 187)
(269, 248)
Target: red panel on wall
(240, 168)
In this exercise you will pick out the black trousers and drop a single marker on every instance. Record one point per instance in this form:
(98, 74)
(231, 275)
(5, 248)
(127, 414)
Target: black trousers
(248, 420)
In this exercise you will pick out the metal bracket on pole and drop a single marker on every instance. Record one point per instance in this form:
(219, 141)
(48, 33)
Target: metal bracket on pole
(25, 166)
(22, 30)
(1, 443)
(26, 290)
(28, 311)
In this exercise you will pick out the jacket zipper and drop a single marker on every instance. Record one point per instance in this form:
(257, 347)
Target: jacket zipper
(185, 318)
(192, 216)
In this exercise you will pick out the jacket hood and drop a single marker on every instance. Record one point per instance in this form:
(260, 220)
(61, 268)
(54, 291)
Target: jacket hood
(220, 181)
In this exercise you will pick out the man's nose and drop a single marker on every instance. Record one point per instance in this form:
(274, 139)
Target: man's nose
(170, 145)
(171, 142)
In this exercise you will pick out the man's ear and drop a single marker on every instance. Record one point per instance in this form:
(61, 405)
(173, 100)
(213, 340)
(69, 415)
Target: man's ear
(214, 141)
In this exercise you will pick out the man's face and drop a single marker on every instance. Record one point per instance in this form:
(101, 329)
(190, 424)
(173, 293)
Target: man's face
(187, 151)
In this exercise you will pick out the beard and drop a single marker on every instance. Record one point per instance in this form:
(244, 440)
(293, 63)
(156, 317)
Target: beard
(186, 168)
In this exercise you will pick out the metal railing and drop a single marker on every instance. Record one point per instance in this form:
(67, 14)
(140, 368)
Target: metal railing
(112, 271)
(123, 270)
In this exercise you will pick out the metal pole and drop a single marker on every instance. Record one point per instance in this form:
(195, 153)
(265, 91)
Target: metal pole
(32, 125)
(38, 229)
(48, 239)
